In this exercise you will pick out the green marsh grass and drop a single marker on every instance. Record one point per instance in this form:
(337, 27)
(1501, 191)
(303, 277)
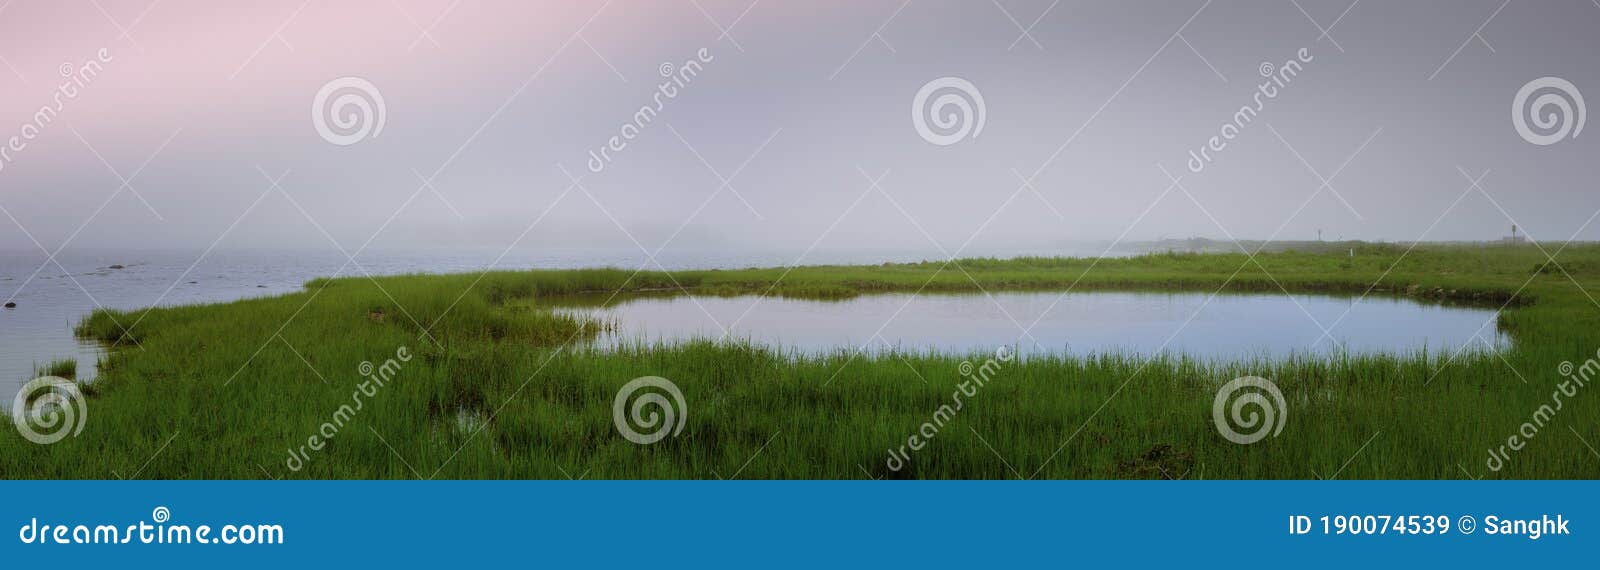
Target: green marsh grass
(64, 368)
(500, 386)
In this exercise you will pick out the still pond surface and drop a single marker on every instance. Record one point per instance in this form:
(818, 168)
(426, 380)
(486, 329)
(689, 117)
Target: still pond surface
(1228, 326)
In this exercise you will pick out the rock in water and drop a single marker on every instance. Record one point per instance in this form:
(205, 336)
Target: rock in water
(117, 267)
(11, 305)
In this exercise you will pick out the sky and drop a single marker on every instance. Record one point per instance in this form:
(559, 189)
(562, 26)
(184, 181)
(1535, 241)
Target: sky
(799, 127)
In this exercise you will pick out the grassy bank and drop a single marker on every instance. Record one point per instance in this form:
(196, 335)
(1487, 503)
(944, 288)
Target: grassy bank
(491, 386)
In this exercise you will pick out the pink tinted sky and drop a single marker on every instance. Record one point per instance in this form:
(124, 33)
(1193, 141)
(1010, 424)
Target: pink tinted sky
(502, 95)
(218, 81)
(232, 58)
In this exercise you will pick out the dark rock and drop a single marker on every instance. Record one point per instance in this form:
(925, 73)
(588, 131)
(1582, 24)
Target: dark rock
(11, 305)
(117, 267)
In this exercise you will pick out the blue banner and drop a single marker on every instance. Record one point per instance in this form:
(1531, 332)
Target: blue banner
(797, 523)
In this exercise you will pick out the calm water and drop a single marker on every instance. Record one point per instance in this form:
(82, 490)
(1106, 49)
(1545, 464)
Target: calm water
(50, 303)
(1228, 327)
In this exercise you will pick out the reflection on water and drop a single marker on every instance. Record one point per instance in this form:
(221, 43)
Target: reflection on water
(1229, 326)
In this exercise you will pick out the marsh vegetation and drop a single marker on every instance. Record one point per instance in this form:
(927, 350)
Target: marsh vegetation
(502, 387)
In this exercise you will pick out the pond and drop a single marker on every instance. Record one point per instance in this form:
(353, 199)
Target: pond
(1228, 326)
